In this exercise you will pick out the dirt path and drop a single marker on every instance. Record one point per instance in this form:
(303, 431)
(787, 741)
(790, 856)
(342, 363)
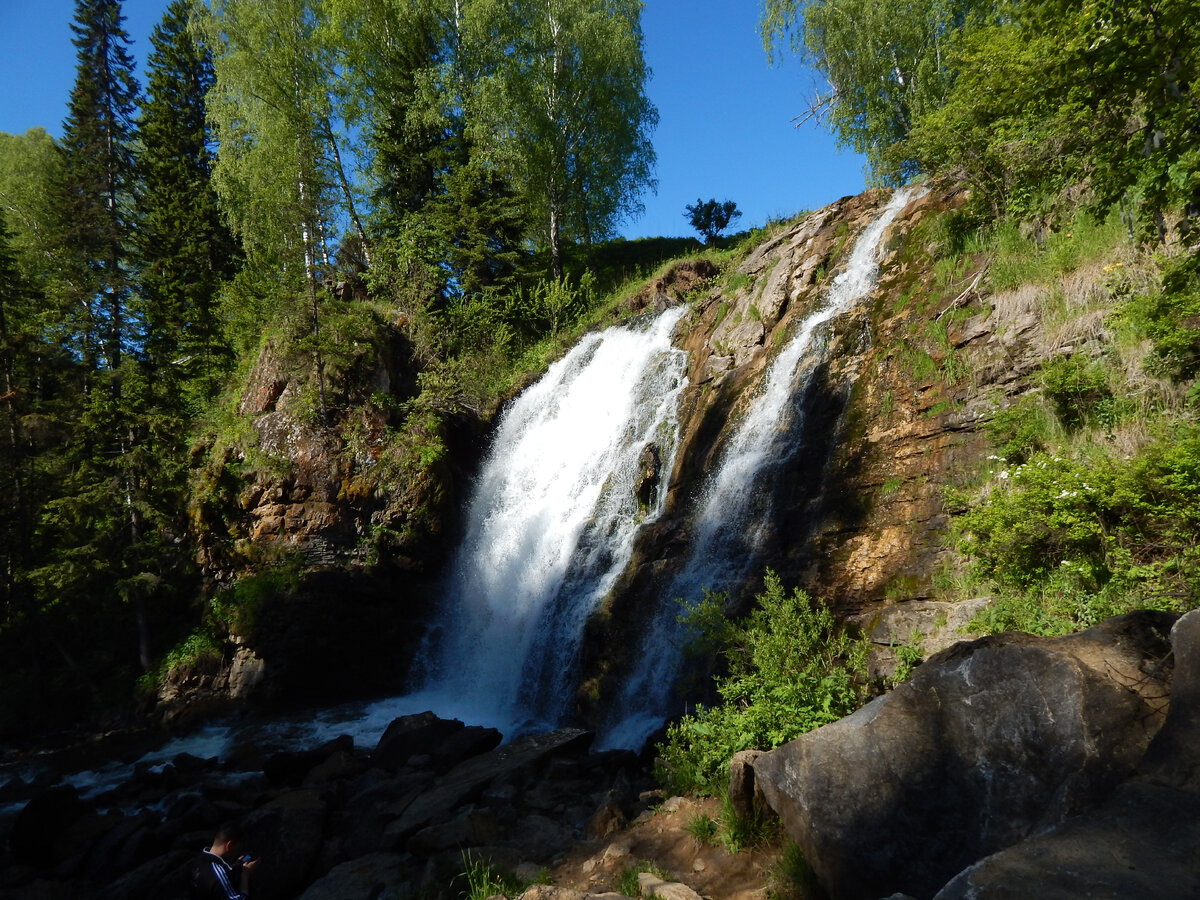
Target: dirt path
(660, 839)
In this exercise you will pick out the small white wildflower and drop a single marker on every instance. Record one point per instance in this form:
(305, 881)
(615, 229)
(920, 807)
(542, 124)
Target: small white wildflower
(1002, 475)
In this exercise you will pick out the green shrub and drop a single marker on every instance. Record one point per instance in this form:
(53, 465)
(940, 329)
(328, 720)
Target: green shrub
(1079, 390)
(1171, 319)
(1020, 430)
(1067, 542)
(791, 668)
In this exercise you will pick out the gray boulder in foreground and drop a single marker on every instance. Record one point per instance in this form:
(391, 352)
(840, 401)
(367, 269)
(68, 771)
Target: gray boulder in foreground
(990, 742)
(1141, 844)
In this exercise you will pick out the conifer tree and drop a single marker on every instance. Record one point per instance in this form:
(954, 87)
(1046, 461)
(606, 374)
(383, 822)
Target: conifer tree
(97, 184)
(13, 514)
(185, 250)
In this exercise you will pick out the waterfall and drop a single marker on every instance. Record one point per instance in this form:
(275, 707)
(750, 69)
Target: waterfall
(735, 505)
(551, 524)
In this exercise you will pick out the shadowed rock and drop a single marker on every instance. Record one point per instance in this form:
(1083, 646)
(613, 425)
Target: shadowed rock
(991, 741)
(1143, 843)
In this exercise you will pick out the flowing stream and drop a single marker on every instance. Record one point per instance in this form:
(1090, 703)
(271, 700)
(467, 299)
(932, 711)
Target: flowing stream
(735, 509)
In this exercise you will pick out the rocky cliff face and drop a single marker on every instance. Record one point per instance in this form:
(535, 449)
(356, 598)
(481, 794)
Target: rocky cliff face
(283, 492)
(859, 518)
(891, 416)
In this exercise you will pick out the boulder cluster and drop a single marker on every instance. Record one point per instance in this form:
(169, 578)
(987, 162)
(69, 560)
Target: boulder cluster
(1008, 766)
(335, 821)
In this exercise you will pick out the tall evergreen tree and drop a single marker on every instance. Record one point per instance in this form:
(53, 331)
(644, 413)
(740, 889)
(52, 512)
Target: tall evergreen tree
(14, 517)
(98, 182)
(185, 250)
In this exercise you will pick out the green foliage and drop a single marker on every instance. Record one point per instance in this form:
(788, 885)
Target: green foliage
(1070, 541)
(791, 668)
(908, 657)
(792, 877)
(711, 217)
(1001, 121)
(738, 833)
(199, 649)
(184, 249)
(627, 883)
(702, 827)
(97, 183)
(1018, 260)
(1170, 317)
(552, 304)
(886, 65)
(559, 107)
(29, 167)
(484, 881)
(1079, 390)
(237, 608)
(1020, 430)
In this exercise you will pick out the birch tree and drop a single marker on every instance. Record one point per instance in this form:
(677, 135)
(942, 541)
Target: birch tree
(562, 110)
(279, 162)
(883, 63)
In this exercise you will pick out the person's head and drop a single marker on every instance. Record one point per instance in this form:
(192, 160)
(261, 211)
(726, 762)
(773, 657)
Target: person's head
(226, 840)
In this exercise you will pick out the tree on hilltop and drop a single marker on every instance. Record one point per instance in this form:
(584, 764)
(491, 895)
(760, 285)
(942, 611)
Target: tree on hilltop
(710, 217)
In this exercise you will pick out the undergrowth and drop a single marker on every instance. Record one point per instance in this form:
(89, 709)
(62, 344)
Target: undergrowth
(1090, 506)
(790, 667)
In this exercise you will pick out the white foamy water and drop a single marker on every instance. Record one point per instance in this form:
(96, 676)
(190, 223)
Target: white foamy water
(551, 525)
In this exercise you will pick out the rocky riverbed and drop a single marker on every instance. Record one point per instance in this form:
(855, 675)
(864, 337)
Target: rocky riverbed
(1009, 763)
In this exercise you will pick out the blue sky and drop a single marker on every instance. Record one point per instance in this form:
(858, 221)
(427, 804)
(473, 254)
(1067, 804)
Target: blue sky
(725, 117)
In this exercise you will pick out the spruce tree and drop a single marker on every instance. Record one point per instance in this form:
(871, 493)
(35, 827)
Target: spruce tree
(13, 516)
(185, 250)
(97, 182)
(112, 530)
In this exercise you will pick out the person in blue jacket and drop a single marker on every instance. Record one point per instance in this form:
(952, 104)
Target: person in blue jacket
(221, 873)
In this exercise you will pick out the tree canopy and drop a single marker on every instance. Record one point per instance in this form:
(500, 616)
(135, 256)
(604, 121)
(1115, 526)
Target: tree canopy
(711, 217)
(1025, 97)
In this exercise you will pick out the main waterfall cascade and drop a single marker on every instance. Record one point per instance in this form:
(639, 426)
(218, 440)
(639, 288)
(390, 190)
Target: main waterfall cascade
(551, 524)
(735, 513)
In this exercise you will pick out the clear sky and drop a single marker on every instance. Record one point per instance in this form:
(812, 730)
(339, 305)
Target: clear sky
(725, 117)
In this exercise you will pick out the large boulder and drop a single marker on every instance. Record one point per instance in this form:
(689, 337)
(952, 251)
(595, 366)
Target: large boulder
(1141, 844)
(990, 742)
(447, 742)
